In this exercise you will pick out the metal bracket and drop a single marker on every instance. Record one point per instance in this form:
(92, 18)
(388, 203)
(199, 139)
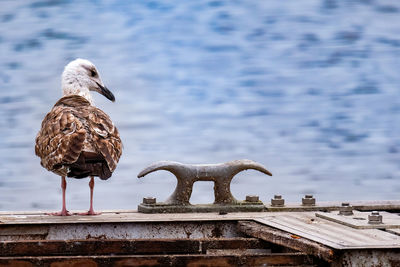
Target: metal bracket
(364, 220)
(187, 174)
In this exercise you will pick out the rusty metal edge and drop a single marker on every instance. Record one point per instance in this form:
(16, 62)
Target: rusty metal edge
(382, 226)
(200, 208)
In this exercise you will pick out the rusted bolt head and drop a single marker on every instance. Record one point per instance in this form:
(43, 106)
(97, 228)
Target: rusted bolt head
(277, 201)
(149, 200)
(346, 209)
(252, 198)
(375, 218)
(308, 200)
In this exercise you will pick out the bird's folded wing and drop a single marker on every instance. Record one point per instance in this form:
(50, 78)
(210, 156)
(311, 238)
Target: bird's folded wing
(105, 137)
(60, 139)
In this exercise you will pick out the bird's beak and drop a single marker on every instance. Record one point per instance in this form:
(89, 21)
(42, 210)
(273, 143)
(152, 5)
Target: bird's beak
(107, 93)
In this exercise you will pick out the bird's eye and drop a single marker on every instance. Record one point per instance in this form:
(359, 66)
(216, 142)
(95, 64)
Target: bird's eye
(93, 73)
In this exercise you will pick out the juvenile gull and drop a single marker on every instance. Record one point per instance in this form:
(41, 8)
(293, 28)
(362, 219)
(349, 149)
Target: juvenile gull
(77, 139)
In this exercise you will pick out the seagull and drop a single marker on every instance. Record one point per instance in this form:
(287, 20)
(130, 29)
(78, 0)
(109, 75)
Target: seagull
(77, 139)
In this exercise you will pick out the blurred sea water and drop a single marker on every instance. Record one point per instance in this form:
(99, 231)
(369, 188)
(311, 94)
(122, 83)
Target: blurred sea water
(310, 89)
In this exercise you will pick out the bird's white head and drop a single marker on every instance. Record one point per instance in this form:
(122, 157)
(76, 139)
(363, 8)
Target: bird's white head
(80, 77)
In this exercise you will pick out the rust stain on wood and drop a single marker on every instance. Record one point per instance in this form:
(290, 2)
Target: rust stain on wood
(121, 247)
(287, 259)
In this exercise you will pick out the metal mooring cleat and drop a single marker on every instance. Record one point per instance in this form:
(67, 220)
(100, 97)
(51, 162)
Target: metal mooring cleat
(221, 174)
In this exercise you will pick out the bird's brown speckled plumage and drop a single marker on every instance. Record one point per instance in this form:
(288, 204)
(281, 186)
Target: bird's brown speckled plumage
(78, 140)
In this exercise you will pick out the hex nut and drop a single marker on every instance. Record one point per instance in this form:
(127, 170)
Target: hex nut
(149, 200)
(346, 209)
(375, 218)
(308, 200)
(252, 198)
(277, 201)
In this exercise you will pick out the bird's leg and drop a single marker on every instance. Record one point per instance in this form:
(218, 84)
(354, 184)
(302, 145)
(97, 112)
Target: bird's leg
(91, 211)
(64, 211)
(91, 185)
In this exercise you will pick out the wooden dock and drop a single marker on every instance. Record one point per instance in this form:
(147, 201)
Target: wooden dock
(286, 236)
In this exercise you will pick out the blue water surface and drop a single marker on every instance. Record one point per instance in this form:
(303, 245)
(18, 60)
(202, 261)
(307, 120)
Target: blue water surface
(310, 89)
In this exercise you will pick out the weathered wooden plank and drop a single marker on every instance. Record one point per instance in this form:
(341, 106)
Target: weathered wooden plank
(98, 247)
(42, 218)
(232, 244)
(123, 230)
(323, 231)
(329, 233)
(286, 259)
(285, 239)
(395, 231)
(121, 247)
(12, 232)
